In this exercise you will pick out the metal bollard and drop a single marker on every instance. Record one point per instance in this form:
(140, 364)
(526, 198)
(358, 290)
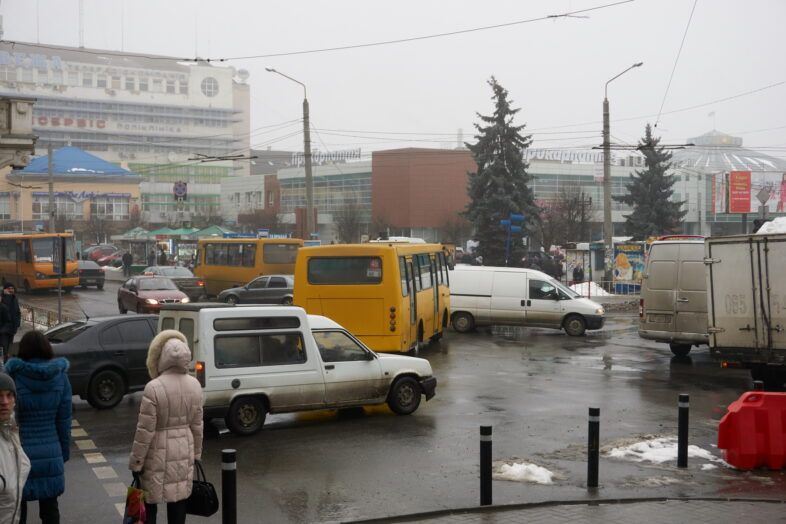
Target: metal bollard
(682, 431)
(228, 486)
(758, 385)
(593, 448)
(485, 465)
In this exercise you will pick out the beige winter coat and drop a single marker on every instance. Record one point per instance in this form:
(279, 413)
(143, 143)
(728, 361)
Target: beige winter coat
(169, 432)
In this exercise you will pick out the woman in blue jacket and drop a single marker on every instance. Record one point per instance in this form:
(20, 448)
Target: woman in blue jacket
(43, 413)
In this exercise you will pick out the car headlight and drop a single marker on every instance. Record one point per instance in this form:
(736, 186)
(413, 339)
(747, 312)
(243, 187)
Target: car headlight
(185, 300)
(151, 301)
(599, 311)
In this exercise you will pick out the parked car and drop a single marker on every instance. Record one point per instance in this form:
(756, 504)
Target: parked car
(106, 355)
(183, 278)
(268, 289)
(145, 294)
(114, 259)
(99, 251)
(90, 274)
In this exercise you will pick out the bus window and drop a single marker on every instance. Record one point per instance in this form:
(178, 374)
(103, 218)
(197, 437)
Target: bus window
(438, 268)
(345, 270)
(402, 268)
(233, 255)
(279, 253)
(8, 250)
(198, 259)
(425, 271)
(248, 256)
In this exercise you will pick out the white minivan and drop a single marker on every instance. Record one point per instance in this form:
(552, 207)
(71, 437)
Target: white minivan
(485, 295)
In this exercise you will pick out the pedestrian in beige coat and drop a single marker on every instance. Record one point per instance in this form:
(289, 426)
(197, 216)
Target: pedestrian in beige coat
(168, 435)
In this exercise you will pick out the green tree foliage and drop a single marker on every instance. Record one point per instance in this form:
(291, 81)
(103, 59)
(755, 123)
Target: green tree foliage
(649, 192)
(500, 185)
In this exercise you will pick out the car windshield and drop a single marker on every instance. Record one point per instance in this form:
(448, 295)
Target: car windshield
(565, 289)
(175, 272)
(88, 264)
(66, 332)
(153, 284)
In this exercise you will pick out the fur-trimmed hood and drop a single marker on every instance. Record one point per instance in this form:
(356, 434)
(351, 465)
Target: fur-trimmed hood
(162, 356)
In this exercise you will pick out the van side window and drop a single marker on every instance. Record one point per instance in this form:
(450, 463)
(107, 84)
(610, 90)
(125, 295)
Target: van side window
(337, 346)
(542, 290)
(167, 323)
(187, 328)
(235, 351)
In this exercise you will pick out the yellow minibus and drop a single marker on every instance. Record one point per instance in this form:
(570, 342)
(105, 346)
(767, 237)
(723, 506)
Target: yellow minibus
(392, 296)
(26, 261)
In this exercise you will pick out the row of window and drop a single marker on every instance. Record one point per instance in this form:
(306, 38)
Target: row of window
(244, 254)
(110, 208)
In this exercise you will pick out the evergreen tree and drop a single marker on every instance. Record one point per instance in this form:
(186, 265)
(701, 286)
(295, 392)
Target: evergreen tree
(649, 192)
(499, 187)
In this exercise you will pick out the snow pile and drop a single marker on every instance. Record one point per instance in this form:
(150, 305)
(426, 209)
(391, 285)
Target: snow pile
(658, 450)
(590, 289)
(524, 472)
(777, 225)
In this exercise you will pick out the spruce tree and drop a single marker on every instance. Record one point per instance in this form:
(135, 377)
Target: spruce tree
(649, 192)
(499, 187)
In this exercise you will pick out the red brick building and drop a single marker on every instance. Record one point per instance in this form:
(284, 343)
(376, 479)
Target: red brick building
(419, 189)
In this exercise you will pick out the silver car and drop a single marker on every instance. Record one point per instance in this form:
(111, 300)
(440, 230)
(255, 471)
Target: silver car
(267, 289)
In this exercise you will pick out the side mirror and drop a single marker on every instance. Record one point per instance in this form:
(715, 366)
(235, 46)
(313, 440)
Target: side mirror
(370, 355)
(132, 289)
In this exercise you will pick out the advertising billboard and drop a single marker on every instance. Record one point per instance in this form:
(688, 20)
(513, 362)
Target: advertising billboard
(628, 267)
(741, 191)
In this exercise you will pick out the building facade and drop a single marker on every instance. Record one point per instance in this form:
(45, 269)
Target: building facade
(164, 120)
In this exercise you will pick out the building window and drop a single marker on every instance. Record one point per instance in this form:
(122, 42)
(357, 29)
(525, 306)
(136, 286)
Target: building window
(5, 207)
(170, 86)
(115, 82)
(87, 79)
(183, 87)
(73, 78)
(158, 86)
(64, 206)
(210, 86)
(111, 208)
(143, 84)
(57, 77)
(130, 83)
(27, 75)
(7, 73)
(101, 81)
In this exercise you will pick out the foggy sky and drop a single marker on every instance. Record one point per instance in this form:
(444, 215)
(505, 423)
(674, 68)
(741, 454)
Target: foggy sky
(418, 94)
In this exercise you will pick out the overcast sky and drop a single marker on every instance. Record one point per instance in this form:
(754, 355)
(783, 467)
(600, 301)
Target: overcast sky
(420, 93)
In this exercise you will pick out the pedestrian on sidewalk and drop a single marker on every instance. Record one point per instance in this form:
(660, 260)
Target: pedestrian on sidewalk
(10, 301)
(44, 417)
(14, 464)
(6, 335)
(168, 435)
(127, 259)
(151, 258)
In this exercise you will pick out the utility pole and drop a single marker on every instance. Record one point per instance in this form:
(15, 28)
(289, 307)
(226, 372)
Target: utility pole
(307, 159)
(51, 189)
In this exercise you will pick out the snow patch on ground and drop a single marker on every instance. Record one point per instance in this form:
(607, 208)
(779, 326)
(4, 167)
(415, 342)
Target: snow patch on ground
(525, 472)
(777, 225)
(708, 467)
(590, 289)
(658, 450)
(656, 482)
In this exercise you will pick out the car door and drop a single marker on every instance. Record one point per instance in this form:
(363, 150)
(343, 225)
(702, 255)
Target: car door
(126, 296)
(113, 349)
(256, 291)
(543, 303)
(352, 372)
(508, 298)
(276, 287)
(136, 335)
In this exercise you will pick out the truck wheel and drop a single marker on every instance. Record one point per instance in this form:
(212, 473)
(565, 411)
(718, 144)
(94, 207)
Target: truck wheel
(680, 350)
(574, 325)
(404, 396)
(106, 389)
(246, 416)
(463, 322)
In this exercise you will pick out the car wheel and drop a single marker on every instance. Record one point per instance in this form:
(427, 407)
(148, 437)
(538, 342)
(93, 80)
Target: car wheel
(287, 301)
(121, 307)
(404, 396)
(463, 322)
(68, 289)
(246, 416)
(231, 299)
(680, 350)
(574, 325)
(99, 286)
(106, 389)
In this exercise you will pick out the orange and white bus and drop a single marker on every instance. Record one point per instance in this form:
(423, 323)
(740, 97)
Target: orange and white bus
(392, 296)
(26, 260)
(223, 263)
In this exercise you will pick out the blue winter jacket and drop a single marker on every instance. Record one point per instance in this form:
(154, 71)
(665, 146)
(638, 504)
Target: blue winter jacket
(43, 413)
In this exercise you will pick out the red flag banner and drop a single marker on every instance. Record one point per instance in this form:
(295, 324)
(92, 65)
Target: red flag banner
(740, 192)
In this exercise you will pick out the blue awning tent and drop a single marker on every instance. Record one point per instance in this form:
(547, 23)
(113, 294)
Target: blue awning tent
(72, 161)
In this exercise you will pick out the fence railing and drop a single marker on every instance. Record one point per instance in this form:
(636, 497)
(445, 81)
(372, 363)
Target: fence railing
(41, 318)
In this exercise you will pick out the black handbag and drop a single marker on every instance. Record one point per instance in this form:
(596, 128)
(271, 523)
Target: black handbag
(203, 500)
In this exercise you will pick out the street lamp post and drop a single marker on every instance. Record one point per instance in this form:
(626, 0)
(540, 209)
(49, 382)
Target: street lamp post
(306, 155)
(607, 225)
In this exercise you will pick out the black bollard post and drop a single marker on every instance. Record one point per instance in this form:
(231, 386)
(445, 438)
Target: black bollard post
(682, 431)
(228, 486)
(485, 465)
(593, 448)
(758, 385)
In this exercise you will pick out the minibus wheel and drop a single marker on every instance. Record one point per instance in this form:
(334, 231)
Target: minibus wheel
(679, 350)
(404, 396)
(463, 322)
(246, 416)
(574, 325)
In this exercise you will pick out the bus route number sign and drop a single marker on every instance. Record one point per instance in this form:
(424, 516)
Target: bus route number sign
(180, 190)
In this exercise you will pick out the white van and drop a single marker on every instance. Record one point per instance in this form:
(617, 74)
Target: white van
(673, 302)
(484, 295)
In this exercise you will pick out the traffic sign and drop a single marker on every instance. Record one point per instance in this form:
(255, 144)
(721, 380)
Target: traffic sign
(180, 190)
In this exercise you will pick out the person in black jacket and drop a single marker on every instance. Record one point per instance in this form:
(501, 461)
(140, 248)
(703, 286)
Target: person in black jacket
(11, 303)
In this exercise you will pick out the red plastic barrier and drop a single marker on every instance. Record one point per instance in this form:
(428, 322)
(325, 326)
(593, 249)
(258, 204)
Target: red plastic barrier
(752, 433)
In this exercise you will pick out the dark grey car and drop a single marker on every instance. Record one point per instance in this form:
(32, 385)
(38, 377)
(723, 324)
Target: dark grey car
(90, 274)
(268, 289)
(107, 355)
(183, 278)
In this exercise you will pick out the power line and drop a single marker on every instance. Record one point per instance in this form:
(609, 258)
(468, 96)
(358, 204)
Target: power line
(676, 60)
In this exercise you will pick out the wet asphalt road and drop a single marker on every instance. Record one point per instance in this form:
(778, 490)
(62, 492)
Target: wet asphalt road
(533, 386)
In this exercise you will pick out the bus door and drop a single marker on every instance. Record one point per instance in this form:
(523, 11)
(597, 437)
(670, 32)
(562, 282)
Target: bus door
(436, 277)
(22, 253)
(413, 301)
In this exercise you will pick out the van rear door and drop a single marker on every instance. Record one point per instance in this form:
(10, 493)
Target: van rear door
(659, 284)
(690, 302)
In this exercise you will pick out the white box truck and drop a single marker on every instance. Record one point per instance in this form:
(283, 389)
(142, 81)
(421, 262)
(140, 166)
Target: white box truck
(746, 304)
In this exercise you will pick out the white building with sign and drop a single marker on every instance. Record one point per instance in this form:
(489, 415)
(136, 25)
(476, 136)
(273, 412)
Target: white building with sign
(164, 119)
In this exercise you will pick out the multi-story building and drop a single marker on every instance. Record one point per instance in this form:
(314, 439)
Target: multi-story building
(159, 117)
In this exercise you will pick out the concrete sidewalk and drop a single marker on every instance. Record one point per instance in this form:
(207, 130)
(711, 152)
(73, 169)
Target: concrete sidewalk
(666, 510)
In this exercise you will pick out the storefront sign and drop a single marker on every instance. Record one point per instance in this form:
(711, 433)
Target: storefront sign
(56, 121)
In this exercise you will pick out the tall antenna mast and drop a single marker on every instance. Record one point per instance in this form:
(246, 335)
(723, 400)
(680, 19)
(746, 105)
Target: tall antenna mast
(81, 23)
